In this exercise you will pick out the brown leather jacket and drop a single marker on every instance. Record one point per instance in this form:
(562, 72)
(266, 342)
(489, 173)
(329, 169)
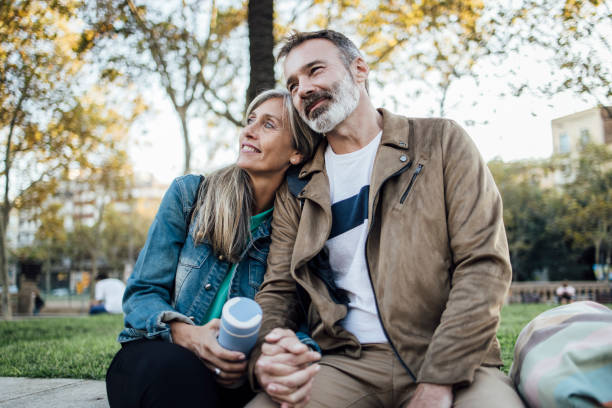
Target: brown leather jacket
(436, 251)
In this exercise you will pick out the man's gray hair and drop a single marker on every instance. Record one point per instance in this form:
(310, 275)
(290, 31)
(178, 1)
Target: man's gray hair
(348, 50)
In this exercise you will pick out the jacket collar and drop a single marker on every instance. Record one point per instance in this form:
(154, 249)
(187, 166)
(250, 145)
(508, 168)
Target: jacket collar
(397, 132)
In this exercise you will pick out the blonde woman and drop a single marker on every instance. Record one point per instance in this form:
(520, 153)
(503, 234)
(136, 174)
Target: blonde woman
(209, 242)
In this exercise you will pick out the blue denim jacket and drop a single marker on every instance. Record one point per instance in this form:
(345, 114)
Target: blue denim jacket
(174, 279)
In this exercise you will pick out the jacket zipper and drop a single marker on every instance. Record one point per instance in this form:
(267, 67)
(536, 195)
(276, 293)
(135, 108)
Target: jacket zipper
(414, 176)
(370, 275)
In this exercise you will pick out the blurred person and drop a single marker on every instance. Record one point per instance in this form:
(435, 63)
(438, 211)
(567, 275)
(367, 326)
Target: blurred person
(208, 242)
(566, 293)
(108, 295)
(390, 243)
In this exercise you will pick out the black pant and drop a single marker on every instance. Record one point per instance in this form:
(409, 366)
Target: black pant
(150, 373)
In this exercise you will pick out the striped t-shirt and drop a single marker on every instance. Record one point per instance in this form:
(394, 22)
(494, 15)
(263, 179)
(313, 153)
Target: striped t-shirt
(349, 179)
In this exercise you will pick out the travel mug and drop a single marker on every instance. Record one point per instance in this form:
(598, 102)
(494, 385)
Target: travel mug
(240, 322)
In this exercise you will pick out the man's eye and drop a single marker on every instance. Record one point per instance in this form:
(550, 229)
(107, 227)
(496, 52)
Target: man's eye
(292, 88)
(314, 69)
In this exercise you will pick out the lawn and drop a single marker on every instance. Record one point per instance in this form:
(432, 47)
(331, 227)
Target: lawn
(71, 347)
(82, 347)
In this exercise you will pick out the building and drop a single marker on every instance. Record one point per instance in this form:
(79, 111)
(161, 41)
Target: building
(80, 205)
(573, 131)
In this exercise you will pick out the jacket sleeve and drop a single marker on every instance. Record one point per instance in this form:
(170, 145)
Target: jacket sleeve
(148, 295)
(277, 295)
(481, 272)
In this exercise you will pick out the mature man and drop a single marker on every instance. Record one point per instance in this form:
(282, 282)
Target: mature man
(390, 243)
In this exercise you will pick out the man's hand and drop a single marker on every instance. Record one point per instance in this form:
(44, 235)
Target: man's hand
(432, 396)
(285, 369)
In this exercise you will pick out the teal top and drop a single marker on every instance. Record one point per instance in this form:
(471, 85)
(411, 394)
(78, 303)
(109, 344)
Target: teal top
(214, 311)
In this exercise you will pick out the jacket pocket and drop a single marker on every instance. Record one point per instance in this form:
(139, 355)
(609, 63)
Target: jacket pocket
(194, 256)
(416, 173)
(257, 265)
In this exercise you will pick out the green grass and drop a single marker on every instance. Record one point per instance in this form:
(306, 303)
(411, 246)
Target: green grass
(83, 347)
(75, 347)
(513, 318)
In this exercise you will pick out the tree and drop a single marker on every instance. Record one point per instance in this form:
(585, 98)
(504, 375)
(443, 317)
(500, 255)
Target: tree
(106, 182)
(199, 66)
(572, 37)
(534, 220)
(122, 233)
(48, 127)
(589, 200)
(261, 44)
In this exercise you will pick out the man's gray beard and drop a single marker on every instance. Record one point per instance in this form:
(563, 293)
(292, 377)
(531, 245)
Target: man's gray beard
(345, 98)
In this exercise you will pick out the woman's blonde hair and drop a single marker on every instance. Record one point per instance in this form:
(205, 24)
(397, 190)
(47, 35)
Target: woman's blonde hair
(223, 210)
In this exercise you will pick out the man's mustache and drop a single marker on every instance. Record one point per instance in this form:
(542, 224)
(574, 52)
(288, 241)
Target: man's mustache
(310, 100)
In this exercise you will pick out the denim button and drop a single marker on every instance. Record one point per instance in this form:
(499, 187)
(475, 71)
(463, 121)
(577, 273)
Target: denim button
(207, 286)
(221, 257)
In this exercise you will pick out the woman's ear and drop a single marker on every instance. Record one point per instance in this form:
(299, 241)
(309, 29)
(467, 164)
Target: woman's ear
(296, 158)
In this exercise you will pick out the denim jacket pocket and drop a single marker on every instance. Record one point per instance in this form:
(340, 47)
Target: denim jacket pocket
(193, 254)
(257, 265)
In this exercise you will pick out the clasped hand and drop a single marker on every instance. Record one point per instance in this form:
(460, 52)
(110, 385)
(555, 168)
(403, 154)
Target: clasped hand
(286, 368)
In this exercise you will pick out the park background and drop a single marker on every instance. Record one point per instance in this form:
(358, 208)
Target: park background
(104, 102)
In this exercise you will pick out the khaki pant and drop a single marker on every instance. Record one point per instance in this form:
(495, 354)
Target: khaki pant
(378, 379)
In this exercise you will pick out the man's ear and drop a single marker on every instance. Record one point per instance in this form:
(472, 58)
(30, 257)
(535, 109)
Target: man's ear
(360, 70)
(296, 158)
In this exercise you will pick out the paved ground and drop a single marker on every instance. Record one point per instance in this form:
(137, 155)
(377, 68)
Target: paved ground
(51, 393)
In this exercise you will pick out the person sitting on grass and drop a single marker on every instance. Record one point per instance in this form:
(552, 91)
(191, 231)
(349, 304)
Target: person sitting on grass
(108, 295)
(209, 242)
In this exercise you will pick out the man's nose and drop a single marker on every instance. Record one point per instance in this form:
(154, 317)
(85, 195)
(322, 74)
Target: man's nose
(305, 87)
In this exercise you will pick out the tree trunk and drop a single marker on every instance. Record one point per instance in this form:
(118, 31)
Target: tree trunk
(183, 117)
(94, 273)
(6, 304)
(261, 45)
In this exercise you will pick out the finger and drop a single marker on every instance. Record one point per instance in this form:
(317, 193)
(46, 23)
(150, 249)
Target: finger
(270, 349)
(296, 397)
(293, 345)
(294, 380)
(300, 397)
(223, 375)
(286, 363)
(296, 360)
(227, 366)
(224, 354)
(278, 333)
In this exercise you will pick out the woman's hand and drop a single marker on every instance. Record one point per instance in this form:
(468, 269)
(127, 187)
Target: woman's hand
(202, 340)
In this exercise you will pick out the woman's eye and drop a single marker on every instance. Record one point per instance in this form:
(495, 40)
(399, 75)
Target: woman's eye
(269, 125)
(315, 69)
(250, 120)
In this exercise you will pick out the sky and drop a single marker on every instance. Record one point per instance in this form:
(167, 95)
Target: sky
(517, 128)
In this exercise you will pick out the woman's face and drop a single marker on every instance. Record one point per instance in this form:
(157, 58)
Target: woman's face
(265, 141)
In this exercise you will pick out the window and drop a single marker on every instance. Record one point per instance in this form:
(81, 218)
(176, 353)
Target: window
(564, 143)
(585, 137)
